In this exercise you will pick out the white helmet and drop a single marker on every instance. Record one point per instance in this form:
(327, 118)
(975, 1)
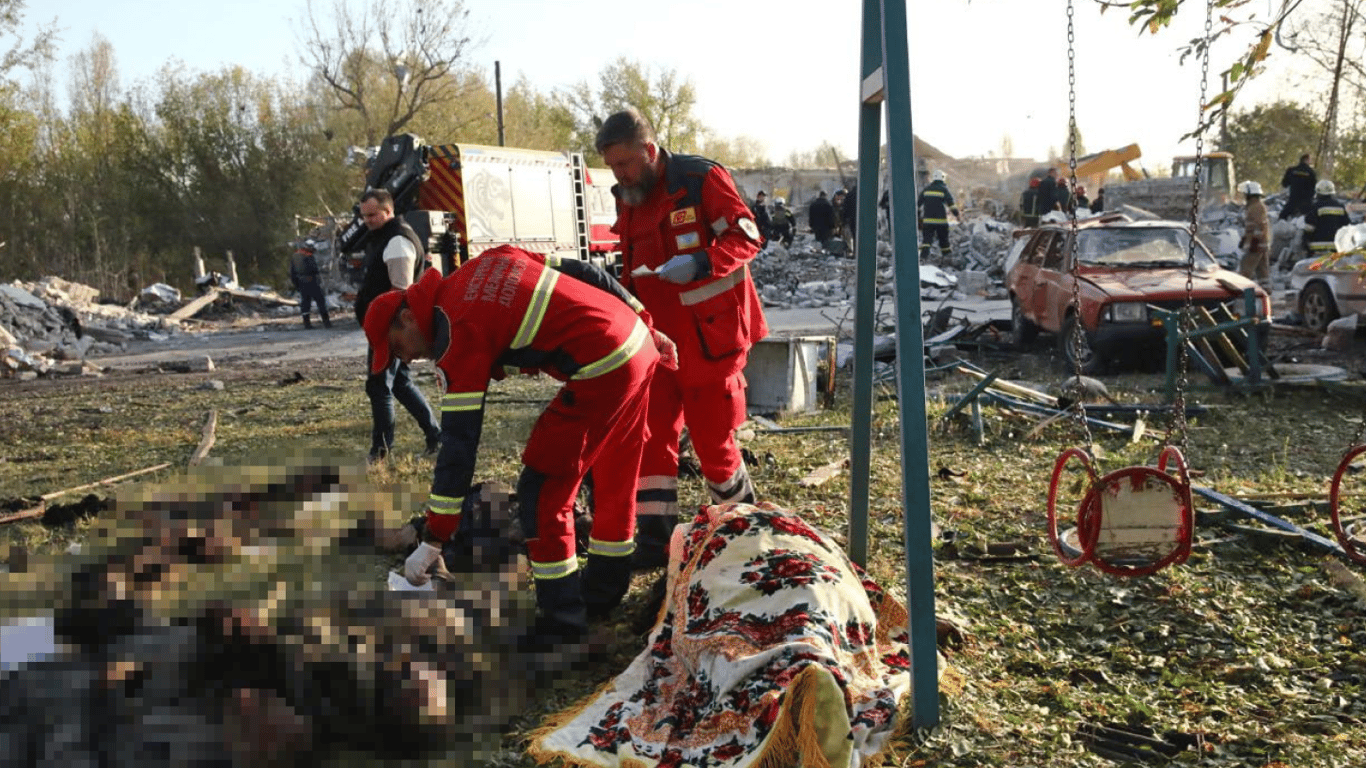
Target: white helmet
(780, 200)
(937, 176)
(1250, 188)
(1325, 187)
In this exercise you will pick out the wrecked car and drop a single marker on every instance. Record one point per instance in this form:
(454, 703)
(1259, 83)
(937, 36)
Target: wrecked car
(1124, 269)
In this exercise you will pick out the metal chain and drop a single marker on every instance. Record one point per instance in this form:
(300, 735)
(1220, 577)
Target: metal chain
(1078, 332)
(1178, 420)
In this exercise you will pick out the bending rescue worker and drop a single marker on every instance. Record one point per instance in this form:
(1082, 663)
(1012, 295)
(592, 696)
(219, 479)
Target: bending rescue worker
(510, 308)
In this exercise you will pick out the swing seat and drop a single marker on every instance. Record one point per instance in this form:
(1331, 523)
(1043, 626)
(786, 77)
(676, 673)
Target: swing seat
(1133, 521)
(1348, 533)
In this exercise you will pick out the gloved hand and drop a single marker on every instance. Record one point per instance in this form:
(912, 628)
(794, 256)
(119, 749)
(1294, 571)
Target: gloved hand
(668, 350)
(684, 268)
(419, 562)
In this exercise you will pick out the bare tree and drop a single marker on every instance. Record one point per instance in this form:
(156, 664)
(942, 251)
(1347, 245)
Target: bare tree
(387, 62)
(666, 99)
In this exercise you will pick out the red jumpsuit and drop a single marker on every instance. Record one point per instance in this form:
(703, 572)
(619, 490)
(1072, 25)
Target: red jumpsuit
(714, 320)
(510, 308)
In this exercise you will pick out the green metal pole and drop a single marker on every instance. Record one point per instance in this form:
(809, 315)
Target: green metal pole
(865, 288)
(910, 355)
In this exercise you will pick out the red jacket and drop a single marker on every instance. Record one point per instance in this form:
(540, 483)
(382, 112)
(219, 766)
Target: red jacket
(508, 308)
(716, 319)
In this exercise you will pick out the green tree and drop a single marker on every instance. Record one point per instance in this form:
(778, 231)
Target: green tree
(1268, 138)
(666, 99)
(20, 128)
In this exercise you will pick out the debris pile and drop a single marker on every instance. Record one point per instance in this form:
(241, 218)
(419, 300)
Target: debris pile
(808, 276)
(48, 328)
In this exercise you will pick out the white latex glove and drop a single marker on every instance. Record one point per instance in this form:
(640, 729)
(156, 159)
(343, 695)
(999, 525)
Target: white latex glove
(668, 350)
(682, 268)
(419, 562)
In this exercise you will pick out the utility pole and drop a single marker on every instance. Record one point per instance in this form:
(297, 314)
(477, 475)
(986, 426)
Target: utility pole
(498, 90)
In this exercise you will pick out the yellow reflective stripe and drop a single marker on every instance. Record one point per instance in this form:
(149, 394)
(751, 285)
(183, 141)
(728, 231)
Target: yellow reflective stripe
(445, 505)
(462, 401)
(611, 548)
(617, 357)
(698, 295)
(635, 304)
(554, 570)
(553, 261)
(535, 312)
(936, 221)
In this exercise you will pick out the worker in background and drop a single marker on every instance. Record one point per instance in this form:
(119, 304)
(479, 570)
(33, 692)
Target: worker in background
(1098, 205)
(849, 215)
(820, 216)
(1063, 194)
(1256, 242)
(1029, 204)
(1082, 200)
(573, 321)
(1300, 179)
(680, 218)
(393, 252)
(1048, 192)
(783, 223)
(933, 206)
(303, 273)
(1326, 216)
(761, 215)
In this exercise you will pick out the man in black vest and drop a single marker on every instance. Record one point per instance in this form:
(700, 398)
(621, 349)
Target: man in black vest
(393, 252)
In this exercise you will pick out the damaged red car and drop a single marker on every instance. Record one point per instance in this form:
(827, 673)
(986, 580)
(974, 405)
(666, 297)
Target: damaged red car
(1124, 270)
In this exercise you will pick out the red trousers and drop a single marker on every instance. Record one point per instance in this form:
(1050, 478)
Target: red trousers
(597, 424)
(712, 412)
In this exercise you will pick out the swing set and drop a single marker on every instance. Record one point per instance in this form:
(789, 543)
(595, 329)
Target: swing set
(1137, 520)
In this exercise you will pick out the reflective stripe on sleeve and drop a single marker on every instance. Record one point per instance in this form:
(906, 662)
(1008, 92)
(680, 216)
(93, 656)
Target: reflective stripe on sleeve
(699, 295)
(554, 570)
(445, 505)
(462, 401)
(535, 311)
(617, 357)
(610, 548)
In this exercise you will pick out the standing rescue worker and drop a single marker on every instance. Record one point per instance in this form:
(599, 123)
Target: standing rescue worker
(686, 239)
(1029, 204)
(1301, 180)
(1256, 243)
(1326, 216)
(304, 274)
(934, 205)
(511, 308)
(761, 217)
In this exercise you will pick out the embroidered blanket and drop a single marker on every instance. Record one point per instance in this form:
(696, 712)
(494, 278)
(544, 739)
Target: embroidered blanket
(772, 649)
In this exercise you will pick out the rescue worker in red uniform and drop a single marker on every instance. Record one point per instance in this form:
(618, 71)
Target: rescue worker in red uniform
(687, 238)
(510, 308)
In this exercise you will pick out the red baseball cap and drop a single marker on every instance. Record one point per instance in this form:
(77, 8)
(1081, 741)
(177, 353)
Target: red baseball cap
(378, 317)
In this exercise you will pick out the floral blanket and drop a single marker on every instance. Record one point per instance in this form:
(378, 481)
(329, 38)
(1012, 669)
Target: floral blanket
(772, 649)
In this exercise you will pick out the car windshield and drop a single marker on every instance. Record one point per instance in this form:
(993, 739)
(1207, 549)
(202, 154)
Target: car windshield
(1138, 247)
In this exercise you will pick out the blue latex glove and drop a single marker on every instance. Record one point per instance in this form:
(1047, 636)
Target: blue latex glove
(684, 268)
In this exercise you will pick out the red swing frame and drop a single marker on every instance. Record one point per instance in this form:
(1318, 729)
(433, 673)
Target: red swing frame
(1349, 545)
(1090, 511)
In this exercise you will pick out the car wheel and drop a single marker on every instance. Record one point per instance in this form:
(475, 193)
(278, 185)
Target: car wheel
(1077, 350)
(1022, 330)
(1317, 307)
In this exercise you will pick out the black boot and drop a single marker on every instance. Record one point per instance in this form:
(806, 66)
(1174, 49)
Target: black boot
(556, 639)
(308, 326)
(652, 541)
(606, 580)
(327, 321)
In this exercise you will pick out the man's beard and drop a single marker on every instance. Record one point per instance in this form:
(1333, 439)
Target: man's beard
(635, 194)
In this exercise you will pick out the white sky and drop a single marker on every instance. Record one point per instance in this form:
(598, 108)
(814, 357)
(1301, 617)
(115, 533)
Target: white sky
(782, 71)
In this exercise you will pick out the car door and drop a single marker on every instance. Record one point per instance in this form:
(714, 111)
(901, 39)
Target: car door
(1052, 289)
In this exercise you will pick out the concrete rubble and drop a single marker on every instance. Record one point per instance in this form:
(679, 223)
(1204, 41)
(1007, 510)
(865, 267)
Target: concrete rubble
(808, 276)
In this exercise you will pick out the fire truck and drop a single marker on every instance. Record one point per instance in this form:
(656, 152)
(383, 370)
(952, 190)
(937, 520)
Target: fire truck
(466, 198)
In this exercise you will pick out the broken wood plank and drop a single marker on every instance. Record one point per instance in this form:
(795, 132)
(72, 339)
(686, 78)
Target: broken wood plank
(1011, 388)
(194, 307)
(24, 514)
(106, 481)
(207, 440)
(820, 475)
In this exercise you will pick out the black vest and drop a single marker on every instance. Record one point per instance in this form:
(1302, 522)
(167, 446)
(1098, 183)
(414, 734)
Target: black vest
(376, 280)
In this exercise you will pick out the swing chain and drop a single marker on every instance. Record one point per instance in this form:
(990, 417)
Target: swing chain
(1078, 332)
(1178, 421)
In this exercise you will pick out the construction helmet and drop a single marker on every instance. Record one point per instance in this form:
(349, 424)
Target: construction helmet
(937, 176)
(1325, 187)
(780, 200)
(1250, 188)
